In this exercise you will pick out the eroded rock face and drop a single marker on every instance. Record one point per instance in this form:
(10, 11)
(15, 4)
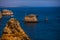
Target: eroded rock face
(30, 18)
(13, 31)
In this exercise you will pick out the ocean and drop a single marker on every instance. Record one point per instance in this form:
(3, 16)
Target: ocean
(42, 30)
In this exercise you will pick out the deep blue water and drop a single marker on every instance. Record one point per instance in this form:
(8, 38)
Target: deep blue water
(40, 31)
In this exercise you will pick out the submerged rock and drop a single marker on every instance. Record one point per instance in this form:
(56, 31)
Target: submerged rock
(13, 31)
(31, 18)
(46, 19)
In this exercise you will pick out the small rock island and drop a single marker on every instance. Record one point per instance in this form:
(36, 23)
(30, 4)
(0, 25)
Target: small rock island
(31, 18)
(13, 31)
(6, 12)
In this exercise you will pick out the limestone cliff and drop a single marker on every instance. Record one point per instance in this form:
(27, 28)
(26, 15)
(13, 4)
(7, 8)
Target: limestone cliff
(13, 31)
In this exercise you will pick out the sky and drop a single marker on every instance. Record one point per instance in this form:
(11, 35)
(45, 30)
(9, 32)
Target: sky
(30, 3)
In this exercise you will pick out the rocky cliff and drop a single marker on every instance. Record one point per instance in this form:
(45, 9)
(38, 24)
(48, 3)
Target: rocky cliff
(13, 31)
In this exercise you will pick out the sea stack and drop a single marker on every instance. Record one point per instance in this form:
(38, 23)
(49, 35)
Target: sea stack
(6, 12)
(13, 31)
(32, 18)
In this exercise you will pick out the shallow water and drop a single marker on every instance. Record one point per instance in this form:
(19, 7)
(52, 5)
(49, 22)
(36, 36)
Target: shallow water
(40, 31)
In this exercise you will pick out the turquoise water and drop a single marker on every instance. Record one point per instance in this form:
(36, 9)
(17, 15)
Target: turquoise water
(40, 31)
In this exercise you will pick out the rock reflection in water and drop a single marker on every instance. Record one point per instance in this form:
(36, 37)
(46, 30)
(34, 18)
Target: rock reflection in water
(30, 24)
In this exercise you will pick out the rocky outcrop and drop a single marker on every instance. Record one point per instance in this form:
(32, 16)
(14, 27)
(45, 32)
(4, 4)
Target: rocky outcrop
(6, 12)
(13, 31)
(30, 18)
(0, 15)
